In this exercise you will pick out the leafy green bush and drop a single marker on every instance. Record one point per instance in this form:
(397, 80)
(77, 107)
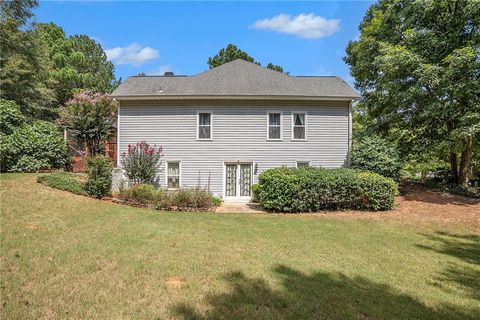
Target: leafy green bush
(186, 198)
(10, 116)
(192, 198)
(99, 182)
(141, 162)
(141, 193)
(30, 164)
(40, 140)
(255, 192)
(63, 181)
(217, 202)
(315, 189)
(372, 153)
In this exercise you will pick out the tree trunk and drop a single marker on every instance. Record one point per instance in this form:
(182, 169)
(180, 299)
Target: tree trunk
(454, 165)
(453, 156)
(465, 162)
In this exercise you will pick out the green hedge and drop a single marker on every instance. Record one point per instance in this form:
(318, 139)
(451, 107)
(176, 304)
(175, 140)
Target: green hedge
(316, 189)
(63, 181)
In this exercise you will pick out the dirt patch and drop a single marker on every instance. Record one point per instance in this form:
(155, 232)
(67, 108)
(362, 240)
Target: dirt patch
(416, 204)
(175, 283)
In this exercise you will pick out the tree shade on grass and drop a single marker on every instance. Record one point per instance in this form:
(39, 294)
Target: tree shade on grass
(69, 256)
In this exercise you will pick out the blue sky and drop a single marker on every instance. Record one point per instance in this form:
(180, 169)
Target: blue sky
(306, 38)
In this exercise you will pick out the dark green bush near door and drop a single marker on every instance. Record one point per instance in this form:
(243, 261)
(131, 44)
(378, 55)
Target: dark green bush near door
(99, 182)
(316, 189)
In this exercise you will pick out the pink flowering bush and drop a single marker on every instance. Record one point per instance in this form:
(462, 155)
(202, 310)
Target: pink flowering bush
(141, 162)
(89, 117)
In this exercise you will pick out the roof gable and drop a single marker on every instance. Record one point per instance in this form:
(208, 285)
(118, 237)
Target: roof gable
(238, 78)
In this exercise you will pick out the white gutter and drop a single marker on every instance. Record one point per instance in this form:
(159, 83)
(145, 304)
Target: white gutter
(230, 97)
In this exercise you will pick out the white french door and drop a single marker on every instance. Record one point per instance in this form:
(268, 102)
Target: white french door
(238, 181)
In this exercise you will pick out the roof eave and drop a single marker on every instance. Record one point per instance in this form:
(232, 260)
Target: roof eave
(231, 97)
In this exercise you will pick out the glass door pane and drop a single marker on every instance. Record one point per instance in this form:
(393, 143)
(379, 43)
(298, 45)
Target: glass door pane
(245, 179)
(231, 180)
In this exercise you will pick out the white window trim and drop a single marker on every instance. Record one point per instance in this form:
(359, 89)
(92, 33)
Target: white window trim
(179, 174)
(281, 124)
(198, 125)
(297, 162)
(293, 125)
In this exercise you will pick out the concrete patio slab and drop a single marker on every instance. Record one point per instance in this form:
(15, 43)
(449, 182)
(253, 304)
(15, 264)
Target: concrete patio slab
(240, 207)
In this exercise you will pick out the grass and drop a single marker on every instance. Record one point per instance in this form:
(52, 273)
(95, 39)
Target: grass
(68, 256)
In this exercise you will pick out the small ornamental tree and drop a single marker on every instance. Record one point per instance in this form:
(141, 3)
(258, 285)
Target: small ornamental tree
(89, 117)
(141, 162)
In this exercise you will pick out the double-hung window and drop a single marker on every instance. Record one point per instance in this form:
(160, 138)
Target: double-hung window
(274, 126)
(299, 126)
(204, 126)
(173, 174)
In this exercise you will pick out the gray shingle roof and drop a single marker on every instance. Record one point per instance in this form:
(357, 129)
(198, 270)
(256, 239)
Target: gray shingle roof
(236, 78)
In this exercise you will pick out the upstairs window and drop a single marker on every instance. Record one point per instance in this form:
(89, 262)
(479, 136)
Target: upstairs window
(204, 126)
(299, 126)
(274, 126)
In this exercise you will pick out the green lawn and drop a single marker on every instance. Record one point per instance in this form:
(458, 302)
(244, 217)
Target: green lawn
(68, 256)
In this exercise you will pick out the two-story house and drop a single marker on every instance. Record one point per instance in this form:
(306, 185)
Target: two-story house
(223, 127)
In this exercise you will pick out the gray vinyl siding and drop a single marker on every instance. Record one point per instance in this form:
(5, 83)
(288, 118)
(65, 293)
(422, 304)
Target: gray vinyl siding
(239, 134)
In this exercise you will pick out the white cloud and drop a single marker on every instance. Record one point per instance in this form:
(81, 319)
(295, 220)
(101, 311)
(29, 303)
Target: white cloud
(307, 26)
(161, 70)
(133, 54)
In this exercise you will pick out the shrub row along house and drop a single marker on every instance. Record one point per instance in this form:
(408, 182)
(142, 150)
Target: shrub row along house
(220, 129)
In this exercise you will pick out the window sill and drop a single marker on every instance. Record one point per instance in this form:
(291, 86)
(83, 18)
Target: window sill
(274, 139)
(198, 139)
(299, 140)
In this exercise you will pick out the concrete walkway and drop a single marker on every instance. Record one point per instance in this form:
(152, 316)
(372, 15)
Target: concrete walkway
(239, 207)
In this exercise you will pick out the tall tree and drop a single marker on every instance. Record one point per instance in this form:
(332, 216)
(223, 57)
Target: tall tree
(417, 66)
(230, 53)
(77, 63)
(18, 10)
(23, 60)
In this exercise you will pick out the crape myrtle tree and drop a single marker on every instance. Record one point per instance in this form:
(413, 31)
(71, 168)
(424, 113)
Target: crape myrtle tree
(89, 117)
(417, 66)
(232, 52)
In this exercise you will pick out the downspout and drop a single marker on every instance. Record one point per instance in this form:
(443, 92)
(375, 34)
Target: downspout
(118, 135)
(350, 131)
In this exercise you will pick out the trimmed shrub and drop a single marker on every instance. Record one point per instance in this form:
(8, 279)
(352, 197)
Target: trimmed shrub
(372, 153)
(316, 189)
(141, 162)
(63, 181)
(40, 140)
(99, 182)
